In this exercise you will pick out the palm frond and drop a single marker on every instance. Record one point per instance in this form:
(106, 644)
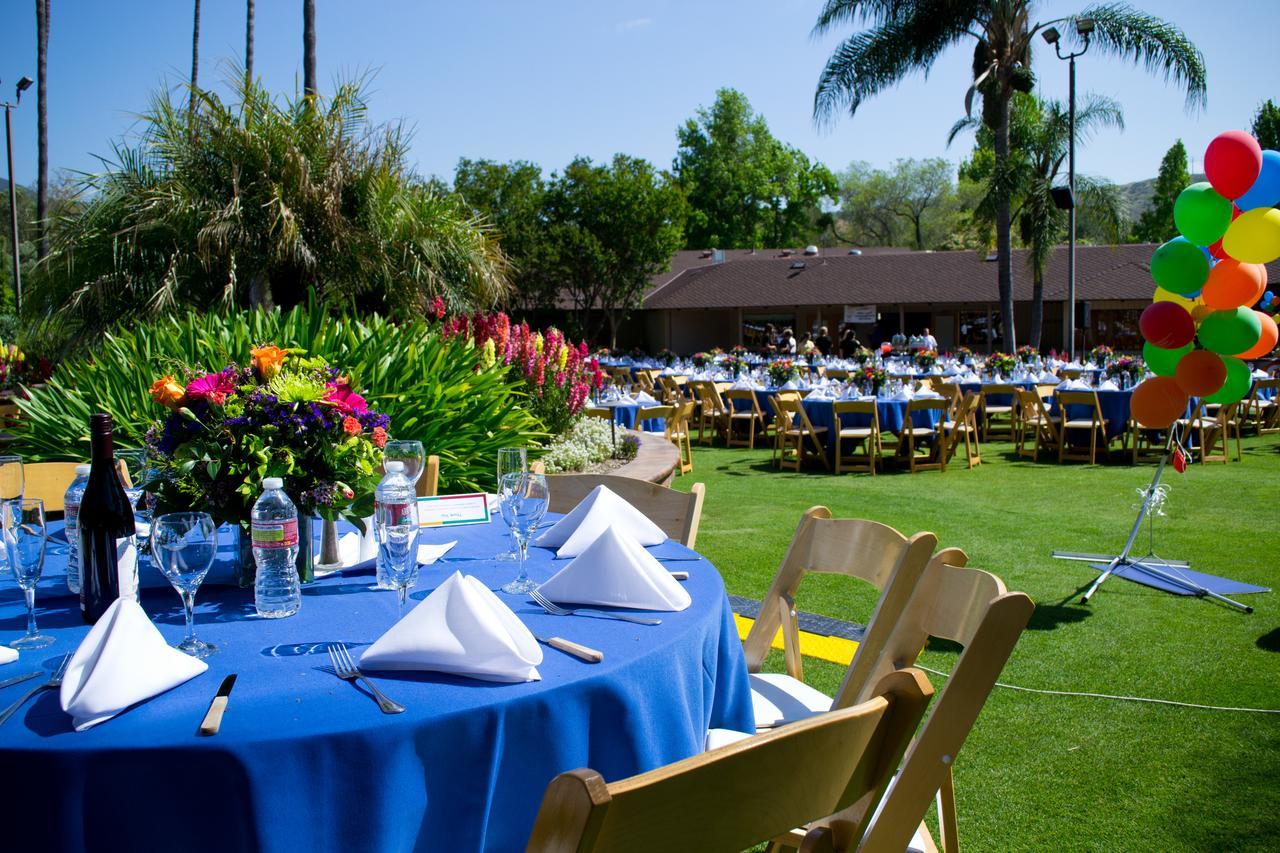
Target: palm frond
(1160, 46)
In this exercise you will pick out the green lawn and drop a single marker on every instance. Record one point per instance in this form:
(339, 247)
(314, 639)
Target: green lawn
(1067, 773)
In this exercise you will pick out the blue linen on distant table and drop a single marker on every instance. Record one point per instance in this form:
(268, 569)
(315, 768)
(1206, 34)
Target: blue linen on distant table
(305, 761)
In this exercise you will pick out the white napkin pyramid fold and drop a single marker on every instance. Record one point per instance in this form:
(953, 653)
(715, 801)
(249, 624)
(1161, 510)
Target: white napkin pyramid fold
(645, 397)
(970, 377)
(789, 385)
(1073, 385)
(600, 509)
(616, 570)
(460, 628)
(1109, 385)
(123, 661)
(1047, 378)
(8, 655)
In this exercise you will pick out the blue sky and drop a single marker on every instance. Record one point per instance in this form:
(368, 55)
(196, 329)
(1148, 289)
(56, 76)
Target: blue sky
(546, 81)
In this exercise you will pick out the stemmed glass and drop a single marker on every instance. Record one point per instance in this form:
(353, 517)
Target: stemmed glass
(12, 487)
(24, 540)
(411, 453)
(524, 503)
(142, 502)
(511, 460)
(184, 544)
(396, 526)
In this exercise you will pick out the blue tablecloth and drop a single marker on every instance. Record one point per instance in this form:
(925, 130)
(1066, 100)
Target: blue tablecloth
(891, 413)
(624, 414)
(996, 399)
(307, 762)
(1115, 410)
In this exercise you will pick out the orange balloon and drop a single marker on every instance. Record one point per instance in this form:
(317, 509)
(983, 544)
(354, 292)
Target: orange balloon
(1200, 373)
(1266, 341)
(1232, 284)
(1158, 402)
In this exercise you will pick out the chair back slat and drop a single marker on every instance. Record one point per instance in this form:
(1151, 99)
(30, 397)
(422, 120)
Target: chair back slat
(678, 514)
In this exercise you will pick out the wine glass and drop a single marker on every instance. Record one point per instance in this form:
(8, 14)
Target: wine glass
(411, 453)
(131, 466)
(524, 503)
(184, 544)
(511, 460)
(24, 541)
(396, 527)
(12, 487)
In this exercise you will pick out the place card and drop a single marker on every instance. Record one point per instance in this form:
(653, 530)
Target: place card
(453, 510)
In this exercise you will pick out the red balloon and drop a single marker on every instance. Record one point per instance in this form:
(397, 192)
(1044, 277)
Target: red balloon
(1217, 251)
(1266, 341)
(1200, 373)
(1158, 402)
(1232, 163)
(1167, 325)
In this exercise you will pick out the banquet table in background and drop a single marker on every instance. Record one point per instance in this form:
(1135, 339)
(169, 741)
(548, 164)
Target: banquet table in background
(305, 761)
(891, 413)
(625, 414)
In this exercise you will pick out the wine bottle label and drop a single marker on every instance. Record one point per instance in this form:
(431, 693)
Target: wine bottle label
(127, 567)
(276, 534)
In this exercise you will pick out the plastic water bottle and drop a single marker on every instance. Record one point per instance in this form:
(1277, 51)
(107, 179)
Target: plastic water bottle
(71, 511)
(276, 592)
(395, 489)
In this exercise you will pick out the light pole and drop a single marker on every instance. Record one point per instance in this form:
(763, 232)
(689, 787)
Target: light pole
(23, 85)
(1084, 27)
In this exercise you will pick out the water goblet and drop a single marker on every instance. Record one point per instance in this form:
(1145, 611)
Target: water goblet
(411, 453)
(24, 540)
(524, 503)
(511, 460)
(396, 528)
(184, 544)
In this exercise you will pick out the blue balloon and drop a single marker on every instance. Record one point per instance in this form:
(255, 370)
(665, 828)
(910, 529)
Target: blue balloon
(1266, 298)
(1265, 191)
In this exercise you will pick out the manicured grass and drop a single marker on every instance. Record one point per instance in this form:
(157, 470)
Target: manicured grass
(1051, 772)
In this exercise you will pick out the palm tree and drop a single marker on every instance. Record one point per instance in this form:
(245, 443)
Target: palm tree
(248, 42)
(42, 129)
(1039, 134)
(309, 47)
(909, 35)
(195, 55)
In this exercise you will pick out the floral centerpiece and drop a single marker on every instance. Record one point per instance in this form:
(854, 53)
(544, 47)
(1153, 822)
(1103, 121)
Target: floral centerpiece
(1002, 363)
(702, 359)
(734, 365)
(1027, 353)
(285, 416)
(1101, 354)
(739, 351)
(873, 376)
(926, 358)
(637, 354)
(1127, 365)
(964, 355)
(665, 357)
(862, 355)
(783, 370)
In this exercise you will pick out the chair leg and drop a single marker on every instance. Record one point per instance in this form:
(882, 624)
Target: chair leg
(947, 814)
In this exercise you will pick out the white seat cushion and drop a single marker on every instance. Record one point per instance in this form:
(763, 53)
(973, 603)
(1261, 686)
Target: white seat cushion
(856, 432)
(777, 698)
(717, 738)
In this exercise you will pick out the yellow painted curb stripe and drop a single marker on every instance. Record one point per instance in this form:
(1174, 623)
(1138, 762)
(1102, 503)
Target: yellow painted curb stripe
(833, 649)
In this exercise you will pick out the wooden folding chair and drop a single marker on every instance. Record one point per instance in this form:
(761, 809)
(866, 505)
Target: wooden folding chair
(1262, 406)
(678, 429)
(748, 419)
(973, 609)
(48, 481)
(714, 413)
(672, 393)
(604, 412)
(951, 391)
(1094, 423)
(964, 424)
(999, 418)
(429, 482)
(676, 513)
(1202, 425)
(645, 414)
(1216, 441)
(1037, 426)
(735, 797)
(866, 550)
(914, 434)
(836, 373)
(800, 434)
(866, 436)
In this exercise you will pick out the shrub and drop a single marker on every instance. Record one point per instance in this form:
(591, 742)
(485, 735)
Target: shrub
(433, 388)
(589, 441)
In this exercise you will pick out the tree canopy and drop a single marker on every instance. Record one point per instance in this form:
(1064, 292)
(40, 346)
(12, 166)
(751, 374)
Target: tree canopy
(912, 204)
(745, 188)
(1156, 223)
(1266, 125)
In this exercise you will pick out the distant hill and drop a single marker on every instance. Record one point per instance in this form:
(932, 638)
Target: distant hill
(1137, 195)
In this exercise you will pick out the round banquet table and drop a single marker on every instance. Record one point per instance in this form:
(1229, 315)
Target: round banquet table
(891, 413)
(305, 761)
(624, 414)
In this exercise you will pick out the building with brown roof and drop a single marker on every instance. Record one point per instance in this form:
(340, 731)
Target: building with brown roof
(723, 299)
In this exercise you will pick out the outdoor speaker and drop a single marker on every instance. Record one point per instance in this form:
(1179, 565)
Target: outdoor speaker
(1062, 198)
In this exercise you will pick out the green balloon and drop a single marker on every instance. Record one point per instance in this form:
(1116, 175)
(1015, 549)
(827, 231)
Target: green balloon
(1161, 361)
(1230, 332)
(1180, 267)
(1239, 381)
(1202, 216)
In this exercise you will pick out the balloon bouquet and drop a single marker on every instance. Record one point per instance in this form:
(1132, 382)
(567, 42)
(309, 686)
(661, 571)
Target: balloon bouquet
(1201, 326)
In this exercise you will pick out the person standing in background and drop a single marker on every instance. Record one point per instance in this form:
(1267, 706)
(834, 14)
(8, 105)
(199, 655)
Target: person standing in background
(823, 341)
(787, 343)
(807, 346)
(930, 342)
(849, 343)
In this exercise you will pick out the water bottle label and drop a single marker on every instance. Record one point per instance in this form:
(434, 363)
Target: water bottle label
(70, 513)
(398, 513)
(275, 534)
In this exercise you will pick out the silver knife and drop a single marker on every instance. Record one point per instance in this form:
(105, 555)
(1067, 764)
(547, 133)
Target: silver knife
(18, 679)
(213, 719)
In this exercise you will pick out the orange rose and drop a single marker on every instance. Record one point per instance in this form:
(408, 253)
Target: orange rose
(167, 392)
(267, 360)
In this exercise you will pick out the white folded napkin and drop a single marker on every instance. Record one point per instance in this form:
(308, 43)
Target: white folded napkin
(903, 394)
(428, 553)
(1073, 385)
(928, 395)
(1046, 378)
(789, 385)
(970, 377)
(7, 655)
(1109, 385)
(122, 661)
(743, 384)
(600, 509)
(616, 570)
(1260, 374)
(461, 628)
(645, 397)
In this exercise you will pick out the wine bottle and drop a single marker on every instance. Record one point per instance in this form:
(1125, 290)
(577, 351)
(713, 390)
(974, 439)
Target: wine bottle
(108, 560)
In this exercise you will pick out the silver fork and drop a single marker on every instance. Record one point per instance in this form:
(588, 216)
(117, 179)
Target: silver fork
(557, 610)
(54, 682)
(345, 669)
